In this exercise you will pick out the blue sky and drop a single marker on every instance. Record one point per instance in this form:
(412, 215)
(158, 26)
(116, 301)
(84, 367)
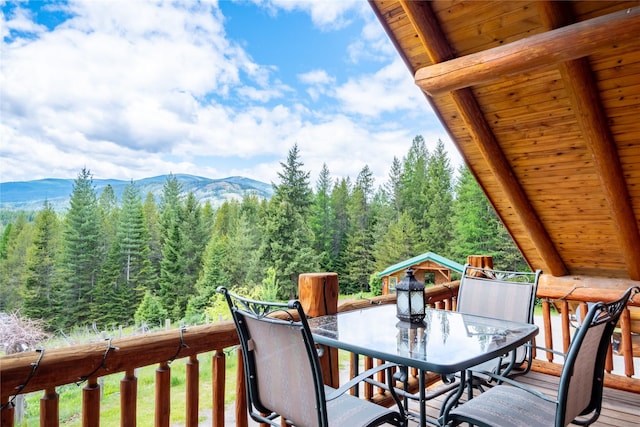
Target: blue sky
(132, 89)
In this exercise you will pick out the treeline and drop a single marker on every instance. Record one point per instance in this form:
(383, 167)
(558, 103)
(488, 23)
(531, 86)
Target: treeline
(109, 261)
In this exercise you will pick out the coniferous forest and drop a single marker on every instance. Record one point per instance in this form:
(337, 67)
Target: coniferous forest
(107, 261)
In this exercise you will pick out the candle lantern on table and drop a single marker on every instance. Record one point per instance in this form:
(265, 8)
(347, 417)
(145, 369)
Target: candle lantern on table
(410, 299)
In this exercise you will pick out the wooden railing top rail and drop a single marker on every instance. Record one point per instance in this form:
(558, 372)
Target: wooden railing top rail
(59, 366)
(584, 293)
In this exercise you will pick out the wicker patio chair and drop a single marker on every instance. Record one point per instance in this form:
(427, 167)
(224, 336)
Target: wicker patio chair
(579, 398)
(283, 374)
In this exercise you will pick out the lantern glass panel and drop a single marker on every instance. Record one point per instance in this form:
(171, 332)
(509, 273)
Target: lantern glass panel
(417, 302)
(402, 302)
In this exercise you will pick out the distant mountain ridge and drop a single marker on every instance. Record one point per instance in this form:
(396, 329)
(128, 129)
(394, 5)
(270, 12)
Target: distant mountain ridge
(31, 195)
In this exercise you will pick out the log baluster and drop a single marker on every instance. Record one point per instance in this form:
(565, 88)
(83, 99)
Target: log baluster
(128, 399)
(241, 394)
(49, 408)
(218, 364)
(7, 414)
(566, 331)
(163, 395)
(193, 391)
(548, 335)
(625, 343)
(91, 403)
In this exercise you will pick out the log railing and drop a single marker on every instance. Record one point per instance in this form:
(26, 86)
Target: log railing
(44, 372)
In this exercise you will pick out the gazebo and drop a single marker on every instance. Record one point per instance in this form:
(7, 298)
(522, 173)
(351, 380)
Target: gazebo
(428, 267)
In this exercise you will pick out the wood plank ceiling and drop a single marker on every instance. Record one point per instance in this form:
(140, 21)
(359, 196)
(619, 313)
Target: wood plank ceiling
(542, 100)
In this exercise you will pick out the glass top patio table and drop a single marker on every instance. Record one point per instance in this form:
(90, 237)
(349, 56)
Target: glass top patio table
(445, 343)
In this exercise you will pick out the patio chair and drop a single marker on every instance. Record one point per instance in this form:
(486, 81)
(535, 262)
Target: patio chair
(507, 295)
(283, 374)
(579, 398)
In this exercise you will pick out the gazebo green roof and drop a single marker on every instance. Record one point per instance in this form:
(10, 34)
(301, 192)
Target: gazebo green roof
(427, 256)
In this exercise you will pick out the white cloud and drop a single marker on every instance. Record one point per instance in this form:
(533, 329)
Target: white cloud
(387, 90)
(151, 87)
(325, 14)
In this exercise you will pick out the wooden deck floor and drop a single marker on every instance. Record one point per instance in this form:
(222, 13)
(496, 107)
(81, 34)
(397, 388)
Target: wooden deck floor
(619, 408)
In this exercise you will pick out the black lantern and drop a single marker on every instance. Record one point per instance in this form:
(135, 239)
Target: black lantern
(410, 299)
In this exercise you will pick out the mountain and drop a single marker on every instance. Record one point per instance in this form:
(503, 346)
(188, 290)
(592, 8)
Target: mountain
(31, 195)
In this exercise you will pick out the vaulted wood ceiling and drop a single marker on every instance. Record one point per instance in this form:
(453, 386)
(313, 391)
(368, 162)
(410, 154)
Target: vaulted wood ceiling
(542, 100)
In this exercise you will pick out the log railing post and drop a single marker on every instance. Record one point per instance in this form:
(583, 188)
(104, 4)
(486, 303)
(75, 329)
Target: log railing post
(7, 415)
(318, 293)
(163, 395)
(548, 334)
(91, 403)
(241, 394)
(193, 391)
(128, 399)
(49, 408)
(218, 372)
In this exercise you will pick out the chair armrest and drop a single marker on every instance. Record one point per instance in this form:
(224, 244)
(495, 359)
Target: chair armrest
(502, 379)
(358, 379)
(546, 349)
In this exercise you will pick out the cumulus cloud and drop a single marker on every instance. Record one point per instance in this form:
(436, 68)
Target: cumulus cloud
(151, 87)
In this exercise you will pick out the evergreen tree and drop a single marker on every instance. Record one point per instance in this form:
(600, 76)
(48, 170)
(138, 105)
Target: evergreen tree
(414, 184)
(170, 206)
(109, 211)
(194, 241)
(477, 228)
(150, 311)
(340, 195)
(137, 274)
(392, 188)
(13, 269)
(321, 220)
(359, 250)
(82, 255)
(439, 209)
(214, 274)
(40, 281)
(288, 239)
(398, 243)
(171, 272)
(152, 221)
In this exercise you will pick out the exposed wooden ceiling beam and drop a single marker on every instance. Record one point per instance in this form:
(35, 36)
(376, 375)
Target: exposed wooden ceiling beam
(425, 22)
(583, 93)
(540, 50)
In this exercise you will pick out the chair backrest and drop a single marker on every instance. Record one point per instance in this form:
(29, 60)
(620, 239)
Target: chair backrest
(582, 380)
(507, 295)
(282, 370)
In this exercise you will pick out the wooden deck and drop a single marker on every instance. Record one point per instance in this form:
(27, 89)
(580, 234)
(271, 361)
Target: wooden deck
(619, 408)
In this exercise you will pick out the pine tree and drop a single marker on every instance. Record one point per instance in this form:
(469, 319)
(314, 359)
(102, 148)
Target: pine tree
(439, 209)
(82, 255)
(152, 222)
(414, 185)
(340, 195)
(288, 239)
(359, 250)
(397, 244)
(40, 281)
(13, 267)
(321, 219)
(214, 274)
(477, 228)
(171, 272)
